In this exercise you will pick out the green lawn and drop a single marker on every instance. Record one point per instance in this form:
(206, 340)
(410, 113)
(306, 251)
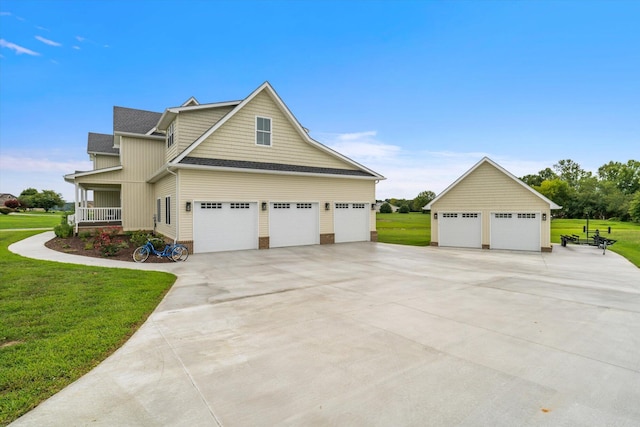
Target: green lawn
(415, 229)
(30, 220)
(58, 321)
(406, 229)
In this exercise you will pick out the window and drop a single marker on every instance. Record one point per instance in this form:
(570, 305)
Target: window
(167, 210)
(281, 205)
(304, 205)
(503, 215)
(263, 131)
(342, 205)
(527, 216)
(358, 206)
(210, 205)
(469, 215)
(450, 215)
(170, 135)
(158, 210)
(240, 206)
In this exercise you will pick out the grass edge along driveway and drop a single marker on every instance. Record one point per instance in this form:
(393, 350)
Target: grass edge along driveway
(58, 321)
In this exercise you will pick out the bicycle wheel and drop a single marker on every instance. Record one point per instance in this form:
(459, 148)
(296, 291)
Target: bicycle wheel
(141, 254)
(179, 253)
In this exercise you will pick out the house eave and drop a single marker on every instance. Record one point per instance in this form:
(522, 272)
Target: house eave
(163, 171)
(72, 176)
(139, 135)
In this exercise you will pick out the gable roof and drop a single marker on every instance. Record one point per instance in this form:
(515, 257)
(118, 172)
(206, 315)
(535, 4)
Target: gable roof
(100, 143)
(170, 113)
(266, 87)
(130, 120)
(484, 160)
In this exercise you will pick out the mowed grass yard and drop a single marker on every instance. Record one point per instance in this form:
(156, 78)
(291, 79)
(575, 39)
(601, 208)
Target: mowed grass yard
(415, 229)
(30, 220)
(58, 321)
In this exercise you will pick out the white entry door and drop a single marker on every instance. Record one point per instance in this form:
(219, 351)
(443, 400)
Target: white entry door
(460, 229)
(351, 222)
(225, 226)
(293, 224)
(518, 231)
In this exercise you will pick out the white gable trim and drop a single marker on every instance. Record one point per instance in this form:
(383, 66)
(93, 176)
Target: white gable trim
(266, 86)
(552, 205)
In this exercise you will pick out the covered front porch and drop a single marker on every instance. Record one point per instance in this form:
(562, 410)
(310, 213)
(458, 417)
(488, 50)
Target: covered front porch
(97, 205)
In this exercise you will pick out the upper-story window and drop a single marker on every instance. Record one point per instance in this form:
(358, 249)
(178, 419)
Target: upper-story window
(263, 131)
(170, 135)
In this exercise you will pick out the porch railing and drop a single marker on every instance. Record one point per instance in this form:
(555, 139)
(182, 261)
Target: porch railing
(98, 215)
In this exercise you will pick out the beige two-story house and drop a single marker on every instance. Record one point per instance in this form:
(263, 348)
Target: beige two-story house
(225, 176)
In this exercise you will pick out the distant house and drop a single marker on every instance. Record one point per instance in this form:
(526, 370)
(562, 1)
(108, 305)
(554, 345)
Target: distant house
(225, 176)
(489, 208)
(379, 205)
(6, 196)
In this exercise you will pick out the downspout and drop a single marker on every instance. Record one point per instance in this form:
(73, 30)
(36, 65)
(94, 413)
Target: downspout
(177, 238)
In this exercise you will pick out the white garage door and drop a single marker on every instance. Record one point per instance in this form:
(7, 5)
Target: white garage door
(225, 226)
(460, 229)
(351, 222)
(293, 224)
(515, 231)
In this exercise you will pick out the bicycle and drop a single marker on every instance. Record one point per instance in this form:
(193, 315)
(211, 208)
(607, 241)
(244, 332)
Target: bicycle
(175, 251)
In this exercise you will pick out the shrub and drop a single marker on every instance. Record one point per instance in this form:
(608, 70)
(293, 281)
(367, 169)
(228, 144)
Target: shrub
(404, 209)
(63, 230)
(5, 211)
(138, 238)
(106, 240)
(386, 208)
(12, 203)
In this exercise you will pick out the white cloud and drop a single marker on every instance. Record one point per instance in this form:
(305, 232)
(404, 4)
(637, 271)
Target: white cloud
(409, 172)
(38, 27)
(43, 164)
(5, 13)
(47, 41)
(18, 49)
(80, 39)
(76, 47)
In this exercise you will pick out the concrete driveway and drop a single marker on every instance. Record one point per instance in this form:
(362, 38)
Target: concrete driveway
(376, 334)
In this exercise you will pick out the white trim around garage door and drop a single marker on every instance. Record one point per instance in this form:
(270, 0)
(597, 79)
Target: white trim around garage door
(515, 230)
(460, 229)
(225, 225)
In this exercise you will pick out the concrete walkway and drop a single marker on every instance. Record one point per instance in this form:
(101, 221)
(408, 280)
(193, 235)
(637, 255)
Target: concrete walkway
(376, 335)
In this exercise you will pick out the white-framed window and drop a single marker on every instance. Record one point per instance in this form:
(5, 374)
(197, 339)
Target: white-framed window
(450, 215)
(158, 210)
(167, 210)
(526, 216)
(263, 131)
(170, 130)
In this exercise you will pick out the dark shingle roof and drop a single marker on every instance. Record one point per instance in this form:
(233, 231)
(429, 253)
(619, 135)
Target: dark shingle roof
(134, 121)
(101, 143)
(241, 164)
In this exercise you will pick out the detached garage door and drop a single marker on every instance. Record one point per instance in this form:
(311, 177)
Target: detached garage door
(515, 231)
(225, 226)
(293, 224)
(460, 229)
(351, 222)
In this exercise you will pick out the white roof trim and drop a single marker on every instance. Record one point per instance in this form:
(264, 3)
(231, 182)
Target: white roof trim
(190, 101)
(266, 86)
(138, 135)
(103, 154)
(552, 205)
(72, 176)
(160, 173)
(173, 111)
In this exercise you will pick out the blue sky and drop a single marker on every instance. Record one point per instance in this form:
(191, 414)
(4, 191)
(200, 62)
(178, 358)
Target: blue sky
(417, 90)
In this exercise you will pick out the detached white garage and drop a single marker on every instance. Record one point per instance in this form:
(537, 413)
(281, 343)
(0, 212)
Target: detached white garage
(225, 226)
(490, 208)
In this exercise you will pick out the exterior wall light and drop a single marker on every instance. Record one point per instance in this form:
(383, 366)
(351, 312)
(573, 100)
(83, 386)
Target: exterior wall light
(327, 206)
(373, 206)
(435, 215)
(264, 206)
(544, 216)
(188, 207)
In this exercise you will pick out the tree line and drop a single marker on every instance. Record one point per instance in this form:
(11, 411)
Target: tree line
(32, 198)
(611, 193)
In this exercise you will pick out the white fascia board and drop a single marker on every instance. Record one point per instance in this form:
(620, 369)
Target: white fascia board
(103, 154)
(73, 176)
(162, 172)
(288, 114)
(139, 135)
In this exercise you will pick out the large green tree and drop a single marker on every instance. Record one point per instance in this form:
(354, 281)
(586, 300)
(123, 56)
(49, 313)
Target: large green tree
(421, 200)
(47, 199)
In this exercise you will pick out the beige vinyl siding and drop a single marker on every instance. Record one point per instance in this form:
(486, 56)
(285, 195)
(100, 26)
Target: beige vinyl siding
(163, 188)
(254, 187)
(102, 162)
(488, 190)
(140, 159)
(106, 199)
(236, 139)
